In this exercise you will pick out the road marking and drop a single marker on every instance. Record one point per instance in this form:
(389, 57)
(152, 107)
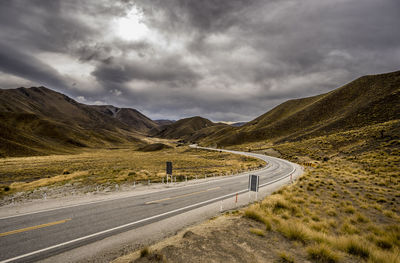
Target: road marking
(33, 227)
(180, 196)
(145, 219)
(263, 169)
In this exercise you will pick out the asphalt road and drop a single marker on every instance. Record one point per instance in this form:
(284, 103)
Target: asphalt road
(31, 237)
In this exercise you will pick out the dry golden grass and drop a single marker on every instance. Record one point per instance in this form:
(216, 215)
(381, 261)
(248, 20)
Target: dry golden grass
(348, 206)
(257, 231)
(322, 253)
(116, 166)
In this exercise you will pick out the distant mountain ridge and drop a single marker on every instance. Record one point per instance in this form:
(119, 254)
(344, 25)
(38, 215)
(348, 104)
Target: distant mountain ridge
(183, 128)
(39, 120)
(129, 117)
(164, 122)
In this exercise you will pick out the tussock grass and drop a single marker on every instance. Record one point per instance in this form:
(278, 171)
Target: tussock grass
(284, 257)
(355, 246)
(348, 205)
(254, 214)
(295, 231)
(322, 253)
(144, 252)
(257, 231)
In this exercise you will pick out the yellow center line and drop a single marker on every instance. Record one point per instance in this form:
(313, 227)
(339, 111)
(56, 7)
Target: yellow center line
(33, 227)
(179, 196)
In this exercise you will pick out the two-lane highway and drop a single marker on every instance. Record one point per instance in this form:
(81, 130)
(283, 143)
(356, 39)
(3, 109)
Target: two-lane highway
(35, 236)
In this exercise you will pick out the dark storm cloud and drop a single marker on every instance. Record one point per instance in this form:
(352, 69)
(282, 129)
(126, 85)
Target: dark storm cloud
(28, 67)
(223, 59)
(167, 69)
(204, 16)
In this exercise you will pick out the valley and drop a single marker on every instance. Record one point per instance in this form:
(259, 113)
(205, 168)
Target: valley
(344, 208)
(99, 169)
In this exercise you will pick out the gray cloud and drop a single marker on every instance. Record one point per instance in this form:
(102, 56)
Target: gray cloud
(226, 60)
(26, 66)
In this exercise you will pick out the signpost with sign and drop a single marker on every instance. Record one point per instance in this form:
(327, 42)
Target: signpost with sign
(254, 183)
(169, 170)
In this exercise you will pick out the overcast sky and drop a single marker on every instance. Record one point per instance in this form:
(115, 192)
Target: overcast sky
(226, 60)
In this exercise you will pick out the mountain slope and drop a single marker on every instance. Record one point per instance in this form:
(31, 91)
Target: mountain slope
(367, 100)
(183, 128)
(130, 117)
(37, 121)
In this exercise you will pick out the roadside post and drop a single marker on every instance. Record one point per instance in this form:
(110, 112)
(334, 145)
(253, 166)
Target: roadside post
(236, 199)
(169, 170)
(254, 183)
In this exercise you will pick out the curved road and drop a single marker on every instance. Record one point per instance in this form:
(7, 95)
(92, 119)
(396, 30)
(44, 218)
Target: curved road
(35, 236)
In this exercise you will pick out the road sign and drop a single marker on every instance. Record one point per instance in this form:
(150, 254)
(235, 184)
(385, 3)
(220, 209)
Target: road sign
(254, 182)
(169, 168)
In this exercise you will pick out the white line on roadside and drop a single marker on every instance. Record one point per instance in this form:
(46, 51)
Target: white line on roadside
(152, 217)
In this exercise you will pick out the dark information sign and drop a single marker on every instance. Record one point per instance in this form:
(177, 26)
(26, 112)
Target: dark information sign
(254, 182)
(169, 168)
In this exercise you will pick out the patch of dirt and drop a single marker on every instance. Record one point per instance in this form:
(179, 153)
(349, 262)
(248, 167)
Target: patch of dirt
(223, 239)
(270, 152)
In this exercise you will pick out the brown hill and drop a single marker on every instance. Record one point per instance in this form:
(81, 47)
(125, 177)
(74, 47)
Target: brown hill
(183, 128)
(37, 120)
(164, 122)
(130, 117)
(365, 101)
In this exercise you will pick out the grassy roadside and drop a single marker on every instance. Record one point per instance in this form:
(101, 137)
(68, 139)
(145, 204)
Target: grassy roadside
(348, 205)
(106, 167)
(344, 209)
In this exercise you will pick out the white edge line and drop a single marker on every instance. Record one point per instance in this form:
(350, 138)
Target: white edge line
(136, 222)
(118, 227)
